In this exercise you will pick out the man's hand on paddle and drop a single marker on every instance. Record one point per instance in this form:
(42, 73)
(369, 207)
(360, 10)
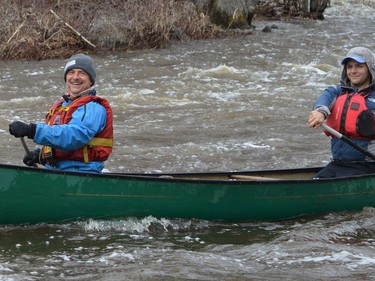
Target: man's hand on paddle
(20, 129)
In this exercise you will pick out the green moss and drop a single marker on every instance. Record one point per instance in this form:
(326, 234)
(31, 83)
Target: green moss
(219, 17)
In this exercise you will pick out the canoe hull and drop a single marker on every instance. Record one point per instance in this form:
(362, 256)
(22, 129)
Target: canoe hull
(29, 195)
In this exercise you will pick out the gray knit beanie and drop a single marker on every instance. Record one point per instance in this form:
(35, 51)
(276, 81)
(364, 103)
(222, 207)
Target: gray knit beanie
(83, 62)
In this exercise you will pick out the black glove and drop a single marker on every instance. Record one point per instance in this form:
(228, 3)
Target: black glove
(32, 158)
(366, 124)
(20, 129)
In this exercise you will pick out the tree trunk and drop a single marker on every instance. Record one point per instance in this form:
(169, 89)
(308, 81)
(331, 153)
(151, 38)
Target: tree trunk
(317, 8)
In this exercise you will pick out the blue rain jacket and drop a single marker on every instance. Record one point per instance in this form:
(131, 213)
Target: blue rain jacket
(84, 125)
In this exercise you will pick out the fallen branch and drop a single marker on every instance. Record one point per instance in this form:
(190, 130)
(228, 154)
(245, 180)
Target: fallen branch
(73, 29)
(15, 32)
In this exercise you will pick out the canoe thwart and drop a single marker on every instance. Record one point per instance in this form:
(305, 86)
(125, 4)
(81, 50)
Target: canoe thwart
(256, 178)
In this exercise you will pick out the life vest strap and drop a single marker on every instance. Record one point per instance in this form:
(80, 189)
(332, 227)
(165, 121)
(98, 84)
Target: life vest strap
(85, 154)
(100, 142)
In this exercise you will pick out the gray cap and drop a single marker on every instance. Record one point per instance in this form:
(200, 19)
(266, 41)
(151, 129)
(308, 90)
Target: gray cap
(361, 55)
(83, 62)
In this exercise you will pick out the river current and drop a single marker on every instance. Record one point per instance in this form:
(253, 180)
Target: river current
(213, 105)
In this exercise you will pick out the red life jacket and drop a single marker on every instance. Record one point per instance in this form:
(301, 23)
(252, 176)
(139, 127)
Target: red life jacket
(345, 112)
(97, 149)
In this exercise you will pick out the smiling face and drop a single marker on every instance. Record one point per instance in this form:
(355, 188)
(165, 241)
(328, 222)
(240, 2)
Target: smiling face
(358, 74)
(77, 81)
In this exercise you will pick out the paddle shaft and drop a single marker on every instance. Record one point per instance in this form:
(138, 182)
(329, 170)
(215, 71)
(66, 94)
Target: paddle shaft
(26, 149)
(25, 146)
(348, 141)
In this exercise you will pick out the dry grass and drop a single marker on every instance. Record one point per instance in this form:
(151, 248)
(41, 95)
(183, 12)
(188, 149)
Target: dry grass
(31, 31)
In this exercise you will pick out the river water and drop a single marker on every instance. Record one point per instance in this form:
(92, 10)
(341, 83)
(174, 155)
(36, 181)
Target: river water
(213, 105)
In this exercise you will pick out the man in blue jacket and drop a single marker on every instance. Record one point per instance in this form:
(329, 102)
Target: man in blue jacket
(78, 132)
(349, 108)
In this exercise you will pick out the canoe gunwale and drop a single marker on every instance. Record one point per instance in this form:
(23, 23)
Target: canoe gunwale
(198, 177)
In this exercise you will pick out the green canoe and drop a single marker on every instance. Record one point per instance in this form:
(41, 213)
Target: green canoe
(34, 195)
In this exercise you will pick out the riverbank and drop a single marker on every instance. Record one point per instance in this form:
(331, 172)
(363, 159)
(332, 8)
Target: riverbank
(45, 29)
(37, 30)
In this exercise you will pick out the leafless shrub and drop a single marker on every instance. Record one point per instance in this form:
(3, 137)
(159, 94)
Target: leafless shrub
(31, 31)
(285, 9)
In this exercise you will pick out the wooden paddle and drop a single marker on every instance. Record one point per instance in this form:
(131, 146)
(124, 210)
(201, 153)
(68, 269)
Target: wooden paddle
(27, 149)
(348, 141)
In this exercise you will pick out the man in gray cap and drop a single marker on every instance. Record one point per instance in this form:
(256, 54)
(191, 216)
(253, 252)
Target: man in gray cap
(348, 108)
(78, 132)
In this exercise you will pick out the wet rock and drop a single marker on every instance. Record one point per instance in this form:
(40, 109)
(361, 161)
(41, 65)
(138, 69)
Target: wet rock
(267, 29)
(234, 14)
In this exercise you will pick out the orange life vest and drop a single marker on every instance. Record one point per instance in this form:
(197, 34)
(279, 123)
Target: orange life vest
(97, 149)
(345, 112)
